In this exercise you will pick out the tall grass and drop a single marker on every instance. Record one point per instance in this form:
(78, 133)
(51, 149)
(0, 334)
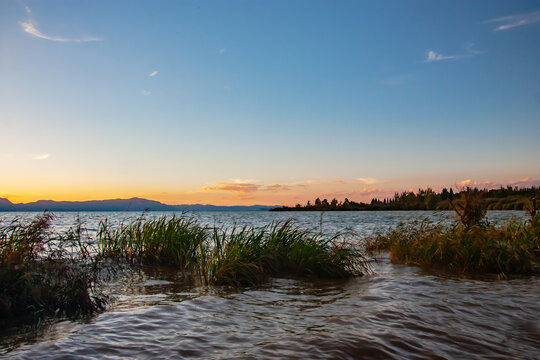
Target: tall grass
(45, 273)
(250, 255)
(469, 246)
(171, 241)
(239, 256)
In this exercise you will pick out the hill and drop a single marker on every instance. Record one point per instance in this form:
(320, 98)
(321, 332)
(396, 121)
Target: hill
(133, 204)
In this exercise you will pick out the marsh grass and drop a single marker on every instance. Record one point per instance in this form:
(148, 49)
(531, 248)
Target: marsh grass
(248, 255)
(240, 256)
(44, 273)
(165, 241)
(470, 246)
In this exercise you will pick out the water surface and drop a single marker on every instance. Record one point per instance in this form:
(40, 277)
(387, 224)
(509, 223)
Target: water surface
(398, 312)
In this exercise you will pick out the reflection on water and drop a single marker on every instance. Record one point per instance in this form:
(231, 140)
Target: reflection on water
(398, 312)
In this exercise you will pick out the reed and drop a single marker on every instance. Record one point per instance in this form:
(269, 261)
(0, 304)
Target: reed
(43, 273)
(236, 258)
(171, 241)
(470, 246)
(248, 256)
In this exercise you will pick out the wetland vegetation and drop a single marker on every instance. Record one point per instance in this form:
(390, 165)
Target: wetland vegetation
(470, 245)
(45, 273)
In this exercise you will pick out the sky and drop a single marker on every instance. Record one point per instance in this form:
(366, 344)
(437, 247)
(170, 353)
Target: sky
(266, 102)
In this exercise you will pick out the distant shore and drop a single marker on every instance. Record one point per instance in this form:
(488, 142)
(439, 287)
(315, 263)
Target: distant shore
(504, 198)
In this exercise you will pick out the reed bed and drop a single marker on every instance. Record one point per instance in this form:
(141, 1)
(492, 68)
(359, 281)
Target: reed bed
(43, 273)
(471, 245)
(165, 241)
(248, 256)
(237, 256)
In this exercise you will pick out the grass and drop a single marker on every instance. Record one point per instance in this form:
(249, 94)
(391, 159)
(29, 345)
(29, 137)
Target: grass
(470, 246)
(165, 241)
(241, 256)
(248, 256)
(43, 273)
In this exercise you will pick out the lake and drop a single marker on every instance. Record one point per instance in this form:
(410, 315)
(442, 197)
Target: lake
(398, 312)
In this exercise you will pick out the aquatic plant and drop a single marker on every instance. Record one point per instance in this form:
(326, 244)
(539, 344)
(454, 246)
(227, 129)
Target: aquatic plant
(459, 248)
(237, 256)
(43, 273)
(249, 255)
(173, 241)
(469, 208)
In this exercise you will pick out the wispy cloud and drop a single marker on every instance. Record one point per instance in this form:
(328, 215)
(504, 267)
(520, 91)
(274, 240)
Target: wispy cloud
(146, 92)
(245, 186)
(233, 187)
(353, 194)
(243, 181)
(276, 187)
(153, 73)
(30, 27)
(222, 51)
(512, 21)
(479, 184)
(469, 52)
(433, 56)
(368, 181)
(525, 182)
(43, 156)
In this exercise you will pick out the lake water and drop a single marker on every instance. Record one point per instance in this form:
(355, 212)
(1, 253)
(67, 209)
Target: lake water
(398, 312)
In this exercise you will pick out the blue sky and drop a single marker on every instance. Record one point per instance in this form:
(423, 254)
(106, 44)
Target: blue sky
(265, 101)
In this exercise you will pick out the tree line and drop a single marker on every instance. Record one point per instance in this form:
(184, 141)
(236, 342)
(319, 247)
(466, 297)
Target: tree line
(503, 198)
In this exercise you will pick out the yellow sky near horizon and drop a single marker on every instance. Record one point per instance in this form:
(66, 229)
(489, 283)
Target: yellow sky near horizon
(240, 191)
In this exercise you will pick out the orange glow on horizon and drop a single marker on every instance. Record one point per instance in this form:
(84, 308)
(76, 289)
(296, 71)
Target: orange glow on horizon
(240, 192)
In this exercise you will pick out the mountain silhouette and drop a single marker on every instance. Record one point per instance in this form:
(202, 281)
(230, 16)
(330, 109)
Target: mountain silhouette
(133, 204)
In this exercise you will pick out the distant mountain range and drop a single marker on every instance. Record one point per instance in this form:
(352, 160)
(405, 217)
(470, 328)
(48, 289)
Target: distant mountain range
(133, 204)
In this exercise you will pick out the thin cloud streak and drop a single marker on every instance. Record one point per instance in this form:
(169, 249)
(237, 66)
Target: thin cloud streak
(433, 56)
(30, 27)
(368, 181)
(232, 187)
(153, 73)
(512, 21)
(470, 52)
(146, 92)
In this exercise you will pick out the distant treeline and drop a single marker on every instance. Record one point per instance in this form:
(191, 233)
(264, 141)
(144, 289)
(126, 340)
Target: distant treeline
(504, 198)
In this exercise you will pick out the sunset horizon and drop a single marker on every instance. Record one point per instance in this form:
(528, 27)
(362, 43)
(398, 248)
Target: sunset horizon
(248, 104)
(269, 179)
(238, 193)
